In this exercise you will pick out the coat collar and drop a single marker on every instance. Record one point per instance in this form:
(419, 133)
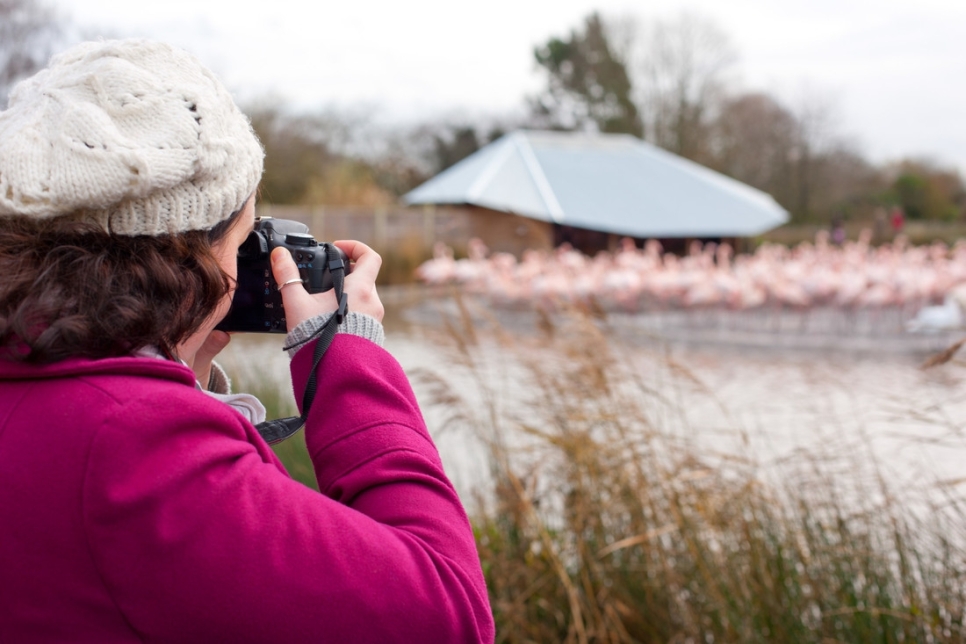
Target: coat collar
(73, 367)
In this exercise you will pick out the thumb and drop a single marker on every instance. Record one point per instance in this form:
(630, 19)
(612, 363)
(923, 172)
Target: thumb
(284, 268)
(214, 343)
(201, 363)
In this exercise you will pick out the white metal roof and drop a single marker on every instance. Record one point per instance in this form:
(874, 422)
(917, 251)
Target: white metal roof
(609, 182)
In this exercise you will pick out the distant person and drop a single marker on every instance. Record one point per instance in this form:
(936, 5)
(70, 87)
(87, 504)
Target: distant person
(879, 225)
(838, 231)
(898, 220)
(137, 507)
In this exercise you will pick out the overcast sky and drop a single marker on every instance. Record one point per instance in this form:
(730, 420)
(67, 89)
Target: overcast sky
(892, 71)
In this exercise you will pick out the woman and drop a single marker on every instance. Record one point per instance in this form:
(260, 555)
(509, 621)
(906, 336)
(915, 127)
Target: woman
(137, 506)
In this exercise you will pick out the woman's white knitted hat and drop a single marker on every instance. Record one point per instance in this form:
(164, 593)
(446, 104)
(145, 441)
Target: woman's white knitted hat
(136, 135)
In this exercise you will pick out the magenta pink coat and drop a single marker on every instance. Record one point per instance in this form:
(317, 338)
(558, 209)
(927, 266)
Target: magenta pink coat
(137, 508)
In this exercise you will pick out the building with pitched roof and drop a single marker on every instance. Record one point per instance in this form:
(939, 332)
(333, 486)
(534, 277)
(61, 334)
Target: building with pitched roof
(536, 189)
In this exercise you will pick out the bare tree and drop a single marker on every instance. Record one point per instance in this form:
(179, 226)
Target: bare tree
(297, 147)
(680, 72)
(753, 140)
(28, 33)
(797, 156)
(844, 184)
(336, 156)
(817, 142)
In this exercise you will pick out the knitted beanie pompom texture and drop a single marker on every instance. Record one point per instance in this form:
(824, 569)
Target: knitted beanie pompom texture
(135, 135)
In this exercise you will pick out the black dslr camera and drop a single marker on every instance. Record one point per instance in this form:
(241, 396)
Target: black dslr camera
(256, 306)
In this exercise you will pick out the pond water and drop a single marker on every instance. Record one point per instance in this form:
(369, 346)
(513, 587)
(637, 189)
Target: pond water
(771, 387)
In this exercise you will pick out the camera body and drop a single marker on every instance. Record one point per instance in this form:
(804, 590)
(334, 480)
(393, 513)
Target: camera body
(256, 306)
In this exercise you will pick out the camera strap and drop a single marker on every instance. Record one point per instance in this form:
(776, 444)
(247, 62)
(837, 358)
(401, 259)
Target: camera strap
(274, 431)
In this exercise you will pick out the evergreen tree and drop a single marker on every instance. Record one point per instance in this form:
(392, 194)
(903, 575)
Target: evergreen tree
(587, 83)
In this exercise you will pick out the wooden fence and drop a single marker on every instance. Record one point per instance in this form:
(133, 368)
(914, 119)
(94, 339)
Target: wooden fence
(390, 230)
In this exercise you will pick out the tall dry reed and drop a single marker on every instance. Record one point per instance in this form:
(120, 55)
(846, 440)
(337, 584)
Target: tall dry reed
(605, 522)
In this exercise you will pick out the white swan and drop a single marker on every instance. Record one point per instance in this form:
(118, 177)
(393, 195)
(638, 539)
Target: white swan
(947, 316)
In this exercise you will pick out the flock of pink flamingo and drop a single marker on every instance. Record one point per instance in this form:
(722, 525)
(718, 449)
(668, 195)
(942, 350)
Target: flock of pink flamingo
(853, 276)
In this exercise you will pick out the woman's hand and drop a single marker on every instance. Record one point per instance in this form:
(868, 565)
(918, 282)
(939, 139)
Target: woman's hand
(360, 285)
(200, 361)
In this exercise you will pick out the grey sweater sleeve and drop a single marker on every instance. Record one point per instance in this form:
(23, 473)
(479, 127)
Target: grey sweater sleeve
(359, 324)
(218, 381)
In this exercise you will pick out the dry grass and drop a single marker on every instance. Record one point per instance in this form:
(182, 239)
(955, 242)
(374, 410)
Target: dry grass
(606, 524)
(401, 259)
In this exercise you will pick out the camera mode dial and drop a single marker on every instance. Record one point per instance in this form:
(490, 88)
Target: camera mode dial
(299, 239)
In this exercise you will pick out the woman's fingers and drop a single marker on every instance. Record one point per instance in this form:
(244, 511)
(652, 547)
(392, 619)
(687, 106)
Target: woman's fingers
(366, 261)
(299, 304)
(360, 285)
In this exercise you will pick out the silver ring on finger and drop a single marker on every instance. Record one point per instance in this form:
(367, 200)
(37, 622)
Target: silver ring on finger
(293, 281)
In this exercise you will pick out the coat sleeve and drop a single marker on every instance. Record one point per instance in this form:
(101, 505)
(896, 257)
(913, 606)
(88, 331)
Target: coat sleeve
(199, 536)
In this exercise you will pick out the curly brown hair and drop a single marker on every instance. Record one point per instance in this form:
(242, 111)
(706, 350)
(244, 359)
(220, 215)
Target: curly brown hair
(67, 288)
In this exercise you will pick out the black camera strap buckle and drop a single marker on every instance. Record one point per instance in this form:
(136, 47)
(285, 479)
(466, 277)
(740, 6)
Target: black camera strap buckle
(343, 306)
(275, 431)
